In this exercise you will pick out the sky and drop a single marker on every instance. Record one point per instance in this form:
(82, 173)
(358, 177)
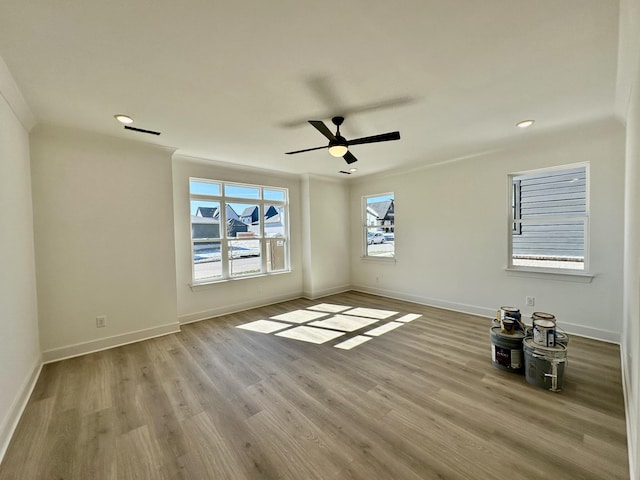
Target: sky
(248, 192)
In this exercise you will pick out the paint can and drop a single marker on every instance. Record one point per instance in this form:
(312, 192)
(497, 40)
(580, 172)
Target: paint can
(508, 325)
(544, 366)
(512, 312)
(544, 333)
(544, 329)
(506, 350)
(509, 319)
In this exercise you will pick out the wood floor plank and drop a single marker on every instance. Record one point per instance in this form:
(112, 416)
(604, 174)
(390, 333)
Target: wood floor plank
(421, 401)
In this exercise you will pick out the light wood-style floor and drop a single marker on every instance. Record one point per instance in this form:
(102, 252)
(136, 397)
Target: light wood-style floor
(420, 402)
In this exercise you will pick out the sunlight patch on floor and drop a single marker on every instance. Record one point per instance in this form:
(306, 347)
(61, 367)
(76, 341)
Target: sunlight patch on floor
(410, 317)
(344, 323)
(329, 307)
(264, 326)
(353, 342)
(299, 316)
(327, 321)
(371, 313)
(310, 334)
(387, 327)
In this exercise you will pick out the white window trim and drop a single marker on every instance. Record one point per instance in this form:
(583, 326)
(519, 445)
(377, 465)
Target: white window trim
(551, 273)
(223, 199)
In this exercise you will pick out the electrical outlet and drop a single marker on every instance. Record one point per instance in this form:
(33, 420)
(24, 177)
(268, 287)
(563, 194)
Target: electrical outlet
(101, 321)
(530, 301)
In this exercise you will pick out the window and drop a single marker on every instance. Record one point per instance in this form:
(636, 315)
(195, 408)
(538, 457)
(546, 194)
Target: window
(237, 230)
(549, 218)
(378, 213)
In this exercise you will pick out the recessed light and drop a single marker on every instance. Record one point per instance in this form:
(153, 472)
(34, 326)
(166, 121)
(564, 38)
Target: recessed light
(525, 123)
(353, 169)
(124, 119)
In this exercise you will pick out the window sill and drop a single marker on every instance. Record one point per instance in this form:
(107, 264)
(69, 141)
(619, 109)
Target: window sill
(204, 285)
(568, 276)
(375, 259)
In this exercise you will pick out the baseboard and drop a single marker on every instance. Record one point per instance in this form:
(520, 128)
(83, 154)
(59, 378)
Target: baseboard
(431, 302)
(78, 349)
(235, 308)
(579, 330)
(326, 292)
(590, 332)
(10, 422)
(631, 417)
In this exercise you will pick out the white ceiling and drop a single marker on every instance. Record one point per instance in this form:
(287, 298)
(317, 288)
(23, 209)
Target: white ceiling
(234, 81)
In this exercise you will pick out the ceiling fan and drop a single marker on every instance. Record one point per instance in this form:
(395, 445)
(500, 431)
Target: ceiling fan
(338, 145)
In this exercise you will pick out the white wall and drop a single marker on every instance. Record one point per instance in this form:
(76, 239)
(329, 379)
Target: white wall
(19, 344)
(104, 240)
(206, 301)
(452, 231)
(631, 340)
(326, 226)
(628, 109)
(631, 309)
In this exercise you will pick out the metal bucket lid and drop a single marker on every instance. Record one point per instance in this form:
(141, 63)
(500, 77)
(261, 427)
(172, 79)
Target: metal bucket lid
(543, 316)
(510, 309)
(544, 323)
(529, 344)
(516, 334)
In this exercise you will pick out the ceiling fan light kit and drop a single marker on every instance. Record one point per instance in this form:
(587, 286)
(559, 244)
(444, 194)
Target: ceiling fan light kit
(525, 123)
(125, 119)
(338, 150)
(338, 145)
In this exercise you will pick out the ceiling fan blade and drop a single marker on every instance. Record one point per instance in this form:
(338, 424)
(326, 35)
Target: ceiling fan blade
(305, 150)
(349, 158)
(383, 137)
(323, 129)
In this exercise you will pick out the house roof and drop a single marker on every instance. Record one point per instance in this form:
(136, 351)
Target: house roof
(207, 211)
(248, 211)
(452, 78)
(195, 219)
(236, 223)
(381, 209)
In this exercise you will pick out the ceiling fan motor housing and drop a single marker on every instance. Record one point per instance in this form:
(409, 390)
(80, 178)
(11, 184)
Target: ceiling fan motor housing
(339, 140)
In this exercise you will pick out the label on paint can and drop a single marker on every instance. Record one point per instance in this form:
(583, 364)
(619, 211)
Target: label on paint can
(501, 355)
(516, 359)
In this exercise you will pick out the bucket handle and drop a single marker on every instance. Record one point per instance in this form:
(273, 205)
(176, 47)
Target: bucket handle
(550, 359)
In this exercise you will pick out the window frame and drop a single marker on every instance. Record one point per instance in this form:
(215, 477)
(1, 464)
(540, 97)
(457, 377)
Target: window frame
(366, 228)
(226, 241)
(515, 220)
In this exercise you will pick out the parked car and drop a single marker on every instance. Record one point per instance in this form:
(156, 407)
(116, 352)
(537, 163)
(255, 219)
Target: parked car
(377, 237)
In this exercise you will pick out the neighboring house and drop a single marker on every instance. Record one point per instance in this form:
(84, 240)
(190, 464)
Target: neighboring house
(250, 215)
(204, 227)
(553, 203)
(273, 224)
(380, 213)
(271, 212)
(207, 212)
(214, 212)
(230, 214)
(235, 226)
